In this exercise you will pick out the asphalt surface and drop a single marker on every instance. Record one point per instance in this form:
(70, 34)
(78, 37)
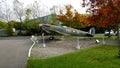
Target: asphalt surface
(14, 52)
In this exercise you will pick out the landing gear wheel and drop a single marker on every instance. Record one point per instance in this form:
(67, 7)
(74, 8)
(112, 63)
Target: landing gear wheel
(51, 38)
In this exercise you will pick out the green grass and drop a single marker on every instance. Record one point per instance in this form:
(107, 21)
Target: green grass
(106, 37)
(102, 56)
(96, 37)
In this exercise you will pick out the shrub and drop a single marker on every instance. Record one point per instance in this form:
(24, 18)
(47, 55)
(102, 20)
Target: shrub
(3, 25)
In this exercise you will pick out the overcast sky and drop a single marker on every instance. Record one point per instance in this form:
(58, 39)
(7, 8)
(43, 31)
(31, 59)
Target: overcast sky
(47, 4)
(50, 3)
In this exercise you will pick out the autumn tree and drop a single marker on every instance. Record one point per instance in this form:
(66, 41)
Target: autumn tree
(102, 12)
(66, 18)
(71, 17)
(105, 13)
(79, 20)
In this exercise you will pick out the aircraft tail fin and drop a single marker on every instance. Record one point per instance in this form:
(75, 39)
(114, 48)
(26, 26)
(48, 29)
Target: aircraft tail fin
(91, 32)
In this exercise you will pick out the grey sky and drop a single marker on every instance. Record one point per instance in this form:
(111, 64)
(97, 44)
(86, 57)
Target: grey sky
(47, 4)
(50, 3)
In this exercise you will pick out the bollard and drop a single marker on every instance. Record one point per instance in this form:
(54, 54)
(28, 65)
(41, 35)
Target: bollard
(43, 38)
(78, 44)
(103, 41)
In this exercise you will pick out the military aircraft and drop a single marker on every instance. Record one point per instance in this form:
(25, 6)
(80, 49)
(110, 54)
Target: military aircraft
(64, 30)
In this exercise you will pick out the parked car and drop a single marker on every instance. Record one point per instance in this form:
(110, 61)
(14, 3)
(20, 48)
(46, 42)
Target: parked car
(119, 31)
(112, 33)
(4, 32)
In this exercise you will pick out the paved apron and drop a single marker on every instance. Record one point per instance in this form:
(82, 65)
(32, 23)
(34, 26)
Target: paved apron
(13, 52)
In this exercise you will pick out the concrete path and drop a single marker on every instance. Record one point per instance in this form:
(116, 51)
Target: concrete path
(14, 51)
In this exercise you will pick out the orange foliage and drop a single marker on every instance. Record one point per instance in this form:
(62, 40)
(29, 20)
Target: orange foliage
(71, 18)
(105, 13)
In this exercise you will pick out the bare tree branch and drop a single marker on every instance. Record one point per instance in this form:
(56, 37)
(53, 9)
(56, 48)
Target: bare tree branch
(5, 11)
(19, 10)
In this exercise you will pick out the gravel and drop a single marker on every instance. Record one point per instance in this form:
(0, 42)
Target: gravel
(63, 46)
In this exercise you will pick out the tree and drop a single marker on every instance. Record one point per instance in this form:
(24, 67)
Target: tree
(33, 26)
(28, 12)
(52, 19)
(36, 10)
(19, 11)
(71, 17)
(3, 25)
(66, 18)
(105, 13)
(102, 12)
(10, 27)
(5, 11)
(27, 18)
(79, 20)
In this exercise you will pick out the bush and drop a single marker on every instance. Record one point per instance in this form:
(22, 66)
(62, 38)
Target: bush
(10, 28)
(3, 25)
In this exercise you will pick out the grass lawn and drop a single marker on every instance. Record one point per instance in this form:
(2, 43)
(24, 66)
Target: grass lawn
(101, 56)
(96, 37)
(106, 37)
